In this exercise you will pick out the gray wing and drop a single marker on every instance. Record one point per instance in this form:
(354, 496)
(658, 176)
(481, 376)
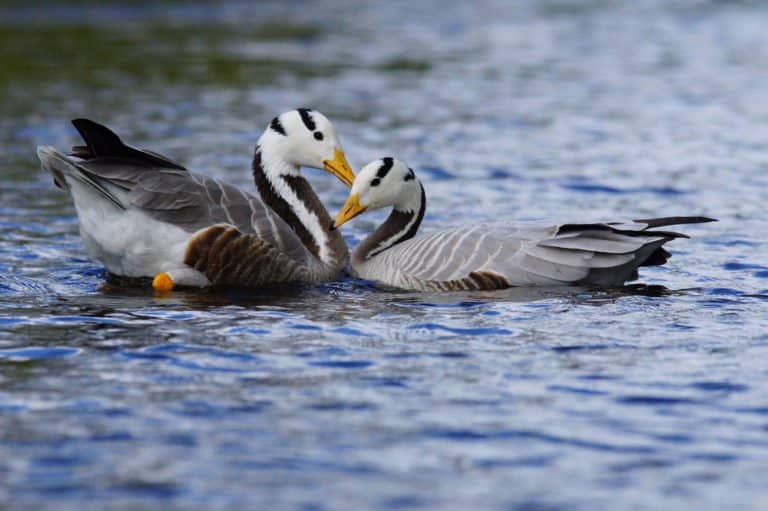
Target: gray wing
(163, 189)
(491, 256)
(193, 202)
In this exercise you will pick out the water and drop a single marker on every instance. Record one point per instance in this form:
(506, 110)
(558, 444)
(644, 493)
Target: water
(346, 397)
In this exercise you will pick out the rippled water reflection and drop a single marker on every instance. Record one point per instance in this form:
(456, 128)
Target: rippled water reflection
(347, 397)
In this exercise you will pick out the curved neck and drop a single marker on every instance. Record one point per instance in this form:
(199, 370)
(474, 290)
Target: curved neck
(401, 225)
(285, 191)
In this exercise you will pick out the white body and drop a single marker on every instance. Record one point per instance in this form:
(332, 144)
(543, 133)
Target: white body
(127, 242)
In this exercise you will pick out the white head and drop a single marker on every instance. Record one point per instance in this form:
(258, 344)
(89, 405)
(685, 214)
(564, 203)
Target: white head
(306, 138)
(382, 183)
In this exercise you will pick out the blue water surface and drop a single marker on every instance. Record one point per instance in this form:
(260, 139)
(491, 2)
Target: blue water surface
(344, 396)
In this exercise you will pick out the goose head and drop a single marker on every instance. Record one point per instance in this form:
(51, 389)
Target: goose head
(306, 138)
(381, 183)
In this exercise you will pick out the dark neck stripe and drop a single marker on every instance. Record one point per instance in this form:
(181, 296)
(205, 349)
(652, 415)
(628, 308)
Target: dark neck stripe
(307, 119)
(280, 206)
(385, 167)
(277, 126)
(302, 189)
(396, 221)
(415, 227)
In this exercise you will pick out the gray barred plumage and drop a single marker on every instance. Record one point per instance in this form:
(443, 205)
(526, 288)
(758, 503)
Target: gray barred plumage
(493, 256)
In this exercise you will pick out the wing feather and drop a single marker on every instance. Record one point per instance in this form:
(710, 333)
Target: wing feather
(596, 241)
(191, 201)
(163, 189)
(526, 254)
(577, 258)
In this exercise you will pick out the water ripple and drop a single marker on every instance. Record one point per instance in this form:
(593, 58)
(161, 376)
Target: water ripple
(349, 396)
(37, 353)
(433, 327)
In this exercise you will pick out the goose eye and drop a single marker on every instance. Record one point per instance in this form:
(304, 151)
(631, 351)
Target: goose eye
(318, 135)
(375, 181)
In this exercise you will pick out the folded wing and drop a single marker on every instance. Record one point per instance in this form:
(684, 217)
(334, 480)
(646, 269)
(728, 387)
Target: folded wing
(131, 178)
(499, 255)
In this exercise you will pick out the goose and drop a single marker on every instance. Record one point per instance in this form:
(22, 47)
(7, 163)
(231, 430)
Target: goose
(491, 256)
(144, 215)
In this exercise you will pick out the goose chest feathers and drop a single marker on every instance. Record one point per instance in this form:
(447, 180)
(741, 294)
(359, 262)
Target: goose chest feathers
(144, 215)
(492, 256)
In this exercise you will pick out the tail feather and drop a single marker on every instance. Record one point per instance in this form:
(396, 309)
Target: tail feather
(636, 229)
(648, 250)
(660, 256)
(61, 167)
(46, 154)
(96, 162)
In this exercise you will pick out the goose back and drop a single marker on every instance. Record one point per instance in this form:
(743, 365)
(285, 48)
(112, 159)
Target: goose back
(491, 256)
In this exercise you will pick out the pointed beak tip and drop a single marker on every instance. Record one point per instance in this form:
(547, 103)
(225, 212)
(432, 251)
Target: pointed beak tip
(349, 210)
(339, 167)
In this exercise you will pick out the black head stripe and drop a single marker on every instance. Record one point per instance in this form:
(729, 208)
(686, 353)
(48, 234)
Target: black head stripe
(307, 119)
(410, 175)
(277, 126)
(385, 167)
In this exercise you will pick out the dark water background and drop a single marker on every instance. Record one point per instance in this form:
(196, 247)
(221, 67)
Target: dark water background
(344, 397)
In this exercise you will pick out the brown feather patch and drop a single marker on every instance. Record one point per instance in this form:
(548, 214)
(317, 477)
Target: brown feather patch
(486, 279)
(226, 256)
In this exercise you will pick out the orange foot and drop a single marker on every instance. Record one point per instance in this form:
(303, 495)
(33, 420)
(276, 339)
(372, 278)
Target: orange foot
(162, 282)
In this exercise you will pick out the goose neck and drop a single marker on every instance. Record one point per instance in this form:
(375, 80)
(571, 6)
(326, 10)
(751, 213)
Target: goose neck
(401, 225)
(285, 191)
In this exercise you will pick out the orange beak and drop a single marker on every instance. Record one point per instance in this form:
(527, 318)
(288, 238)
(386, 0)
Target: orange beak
(339, 167)
(349, 210)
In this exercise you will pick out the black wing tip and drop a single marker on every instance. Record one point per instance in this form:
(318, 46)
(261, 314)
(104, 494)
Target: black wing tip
(675, 220)
(102, 141)
(98, 137)
(83, 123)
(83, 120)
(699, 219)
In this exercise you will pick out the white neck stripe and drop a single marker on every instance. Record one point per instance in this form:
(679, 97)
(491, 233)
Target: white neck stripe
(274, 169)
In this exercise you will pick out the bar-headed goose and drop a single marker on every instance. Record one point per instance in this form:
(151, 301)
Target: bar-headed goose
(491, 256)
(144, 215)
